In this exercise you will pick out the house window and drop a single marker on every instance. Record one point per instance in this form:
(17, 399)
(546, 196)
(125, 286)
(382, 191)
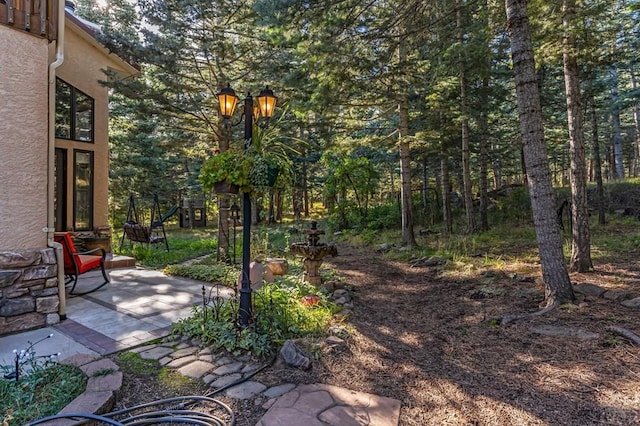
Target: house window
(83, 190)
(74, 113)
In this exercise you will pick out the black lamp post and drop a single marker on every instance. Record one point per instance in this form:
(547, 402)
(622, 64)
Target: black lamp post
(235, 216)
(266, 102)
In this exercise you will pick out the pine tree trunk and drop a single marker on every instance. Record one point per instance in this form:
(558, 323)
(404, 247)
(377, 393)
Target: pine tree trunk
(447, 221)
(466, 167)
(484, 141)
(408, 236)
(597, 162)
(581, 245)
(617, 136)
(558, 288)
(636, 120)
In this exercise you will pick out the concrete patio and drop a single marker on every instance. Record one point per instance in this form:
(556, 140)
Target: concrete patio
(139, 306)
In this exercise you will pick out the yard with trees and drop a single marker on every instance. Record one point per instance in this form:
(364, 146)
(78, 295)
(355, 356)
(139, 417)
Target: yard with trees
(411, 123)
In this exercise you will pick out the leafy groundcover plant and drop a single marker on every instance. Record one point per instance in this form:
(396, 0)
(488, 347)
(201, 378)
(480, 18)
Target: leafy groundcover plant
(280, 314)
(40, 393)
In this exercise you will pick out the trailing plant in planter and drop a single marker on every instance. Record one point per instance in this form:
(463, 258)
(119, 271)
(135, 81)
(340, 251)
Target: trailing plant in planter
(231, 167)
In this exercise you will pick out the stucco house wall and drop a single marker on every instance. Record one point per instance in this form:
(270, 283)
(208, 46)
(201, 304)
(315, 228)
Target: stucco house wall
(23, 139)
(29, 286)
(82, 68)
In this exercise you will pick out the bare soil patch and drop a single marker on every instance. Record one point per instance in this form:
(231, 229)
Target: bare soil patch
(431, 338)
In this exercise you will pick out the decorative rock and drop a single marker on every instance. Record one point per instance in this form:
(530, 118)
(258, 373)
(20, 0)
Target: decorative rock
(340, 293)
(614, 295)
(341, 332)
(256, 276)
(278, 266)
(157, 352)
(341, 301)
(294, 356)
(632, 303)
(384, 247)
(234, 367)
(245, 390)
(335, 341)
(226, 380)
(329, 286)
(521, 278)
(589, 289)
(177, 363)
(196, 369)
(277, 391)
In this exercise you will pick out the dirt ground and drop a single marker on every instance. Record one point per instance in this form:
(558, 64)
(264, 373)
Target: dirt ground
(432, 339)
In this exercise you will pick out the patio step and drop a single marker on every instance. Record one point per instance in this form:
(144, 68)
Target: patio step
(119, 261)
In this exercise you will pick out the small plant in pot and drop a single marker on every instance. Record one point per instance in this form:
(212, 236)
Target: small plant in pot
(227, 172)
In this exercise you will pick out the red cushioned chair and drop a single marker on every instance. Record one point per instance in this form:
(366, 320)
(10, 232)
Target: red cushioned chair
(77, 263)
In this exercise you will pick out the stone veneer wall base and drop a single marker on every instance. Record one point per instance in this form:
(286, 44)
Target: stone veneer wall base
(28, 290)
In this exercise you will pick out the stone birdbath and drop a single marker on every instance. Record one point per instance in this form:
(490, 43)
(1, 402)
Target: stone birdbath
(312, 253)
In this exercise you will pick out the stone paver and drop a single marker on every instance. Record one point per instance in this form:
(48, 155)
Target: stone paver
(196, 369)
(205, 357)
(100, 366)
(209, 378)
(225, 380)
(234, 367)
(157, 352)
(245, 390)
(90, 402)
(277, 391)
(224, 360)
(250, 368)
(184, 352)
(323, 405)
(166, 360)
(111, 382)
(177, 363)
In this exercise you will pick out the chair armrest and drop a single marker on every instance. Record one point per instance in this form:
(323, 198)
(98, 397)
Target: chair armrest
(104, 253)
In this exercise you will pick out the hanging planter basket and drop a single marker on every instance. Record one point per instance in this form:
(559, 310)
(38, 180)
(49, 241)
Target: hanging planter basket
(224, 187)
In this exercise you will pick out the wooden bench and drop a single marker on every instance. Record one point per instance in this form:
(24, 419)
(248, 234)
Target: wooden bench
(77, 263)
